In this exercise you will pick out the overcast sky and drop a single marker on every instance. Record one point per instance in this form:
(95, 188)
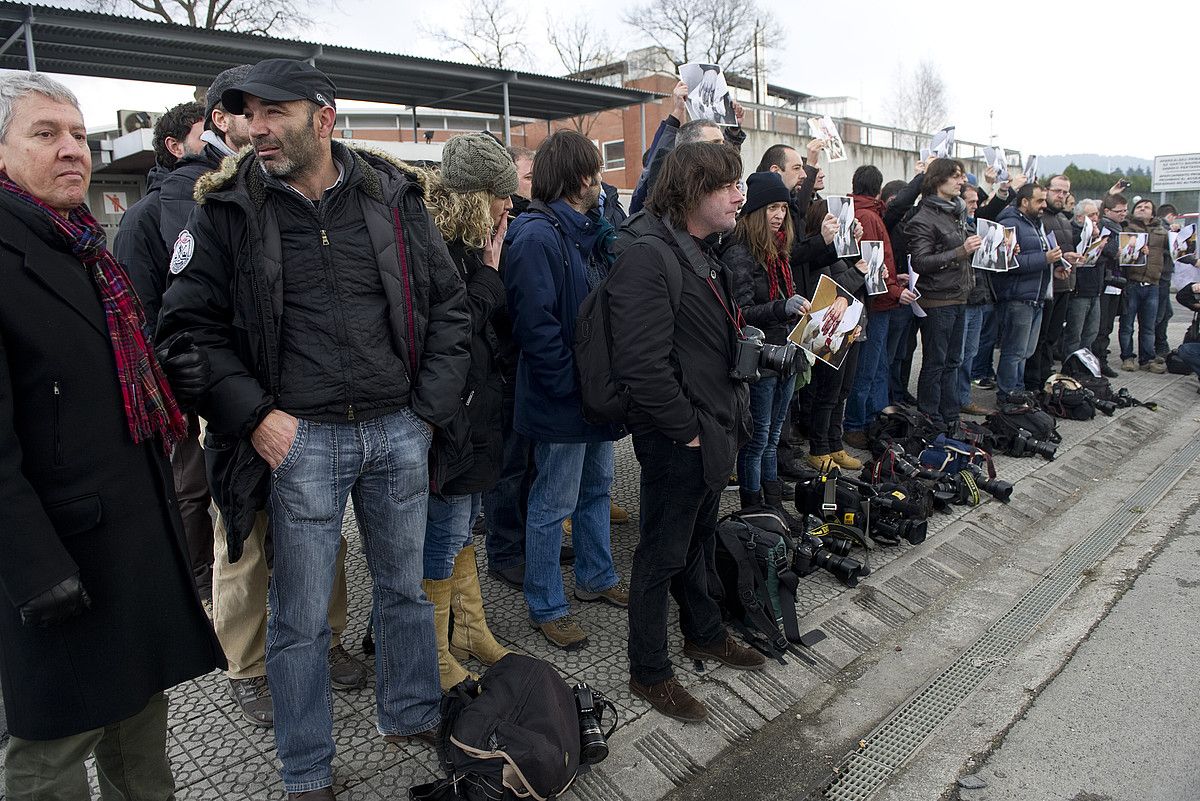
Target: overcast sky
(1060, 77)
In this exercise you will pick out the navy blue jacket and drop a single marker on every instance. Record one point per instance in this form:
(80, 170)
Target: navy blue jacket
(1031, 278)
(545, 276)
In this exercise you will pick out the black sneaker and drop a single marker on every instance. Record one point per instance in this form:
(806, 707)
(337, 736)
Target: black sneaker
(253, 697)
(512, 576)
(346, 672)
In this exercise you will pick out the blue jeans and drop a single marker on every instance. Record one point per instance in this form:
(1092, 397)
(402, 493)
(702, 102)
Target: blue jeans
(756, 461)
(1141, 304)
(972, 327)
(1190, 353)
(941, 356)
(1020, 323)
(382, 465)
(448, 531)
(983, 368)
(1083, 323)
(573, 480)
(869, 393)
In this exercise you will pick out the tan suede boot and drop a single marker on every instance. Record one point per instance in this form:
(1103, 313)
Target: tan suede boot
(449, 670)
(471, 638)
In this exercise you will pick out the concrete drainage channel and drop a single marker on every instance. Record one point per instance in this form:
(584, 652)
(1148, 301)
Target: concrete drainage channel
(902, 734)
(654, 757)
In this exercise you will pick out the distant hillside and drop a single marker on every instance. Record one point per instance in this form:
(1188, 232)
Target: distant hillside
(1092, 161)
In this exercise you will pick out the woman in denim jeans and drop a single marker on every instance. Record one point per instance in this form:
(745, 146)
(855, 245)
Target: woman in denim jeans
(765, 292)
(470, 202)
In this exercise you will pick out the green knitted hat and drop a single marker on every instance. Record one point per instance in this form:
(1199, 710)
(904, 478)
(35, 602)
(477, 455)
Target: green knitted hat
(476, 161)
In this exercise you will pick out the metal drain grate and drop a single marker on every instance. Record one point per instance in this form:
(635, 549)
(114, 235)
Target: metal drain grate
(899, 737)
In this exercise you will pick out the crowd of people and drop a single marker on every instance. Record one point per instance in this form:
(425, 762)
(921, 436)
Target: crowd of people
(286, 323)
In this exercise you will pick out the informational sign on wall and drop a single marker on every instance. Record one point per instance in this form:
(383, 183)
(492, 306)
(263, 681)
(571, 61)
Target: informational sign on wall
(1178, 173)
(114, 203)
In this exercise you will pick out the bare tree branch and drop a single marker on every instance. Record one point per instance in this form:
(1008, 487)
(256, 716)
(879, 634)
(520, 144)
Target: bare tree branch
(492, 34)
(245, 16)
(918, 100)
(713, 31)
(578, 45)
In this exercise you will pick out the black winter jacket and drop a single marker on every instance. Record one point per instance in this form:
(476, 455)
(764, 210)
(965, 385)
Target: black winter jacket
(751, 292)
(675, 361)
(229, 299)
(140, 248)
(177, 193)
(935, 240)
(475, 432)
(1059, 223)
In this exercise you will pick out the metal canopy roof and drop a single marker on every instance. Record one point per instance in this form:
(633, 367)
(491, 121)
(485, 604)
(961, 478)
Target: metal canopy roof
(107, 46)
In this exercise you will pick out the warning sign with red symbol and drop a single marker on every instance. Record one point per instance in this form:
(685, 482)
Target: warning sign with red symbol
(114, 203)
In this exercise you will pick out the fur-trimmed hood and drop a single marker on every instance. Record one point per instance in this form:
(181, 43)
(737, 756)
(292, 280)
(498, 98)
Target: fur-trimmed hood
(370, 162)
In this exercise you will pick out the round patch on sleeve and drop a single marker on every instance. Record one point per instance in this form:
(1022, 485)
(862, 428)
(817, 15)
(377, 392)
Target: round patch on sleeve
(184, 247)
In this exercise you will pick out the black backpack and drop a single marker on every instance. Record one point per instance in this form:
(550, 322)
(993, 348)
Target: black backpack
(1021, 413)
(907, 427)
(513, 734)
(1067, 398)
(1098, 385)
(754, 581)
(605, 399)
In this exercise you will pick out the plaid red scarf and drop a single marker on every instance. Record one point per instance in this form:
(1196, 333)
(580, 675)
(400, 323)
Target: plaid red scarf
(150, 406)
(778, 266)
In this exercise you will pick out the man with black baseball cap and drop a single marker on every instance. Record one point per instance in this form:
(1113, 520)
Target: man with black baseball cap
(326, 385)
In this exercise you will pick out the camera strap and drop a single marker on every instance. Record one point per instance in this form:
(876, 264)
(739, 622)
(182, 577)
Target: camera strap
(737, 321)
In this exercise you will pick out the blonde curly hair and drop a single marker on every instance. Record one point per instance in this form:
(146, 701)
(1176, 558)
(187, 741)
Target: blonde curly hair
(465, 216)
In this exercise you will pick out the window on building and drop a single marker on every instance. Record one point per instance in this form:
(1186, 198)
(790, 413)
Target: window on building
(614, 155)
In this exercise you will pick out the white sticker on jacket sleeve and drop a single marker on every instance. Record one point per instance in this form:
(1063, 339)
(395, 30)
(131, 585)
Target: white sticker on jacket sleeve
(184, 247)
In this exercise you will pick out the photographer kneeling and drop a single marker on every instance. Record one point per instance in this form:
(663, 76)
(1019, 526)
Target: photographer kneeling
(675, 333)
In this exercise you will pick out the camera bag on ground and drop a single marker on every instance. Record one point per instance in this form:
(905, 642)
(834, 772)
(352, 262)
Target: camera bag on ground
(513, 734)
(755, 580)
(1092, 380)
(604, 399)
(951, 456)
(1176, 365)
(1066, 398)
(973, 433)
(881, 512)
(1022, 413)
(907, 427)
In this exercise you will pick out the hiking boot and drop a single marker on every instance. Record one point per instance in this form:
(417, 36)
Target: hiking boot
(1154, 367)
(728, 652)
(617, 515)
(822, 462)
(845, 460)
(975, 409)
(617, 595)
(565, 633)
(1107, 371)
(346, 672)
(253, 697)
(984, 383)
(671, 699)
(1129, 365)
(856, 439)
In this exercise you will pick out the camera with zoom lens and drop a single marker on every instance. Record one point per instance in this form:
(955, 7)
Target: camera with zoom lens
(812, 554)
(1000, 490)
(1024, 444)
(593, 740)
(1107, 408)
(753, 353)
(889, 530)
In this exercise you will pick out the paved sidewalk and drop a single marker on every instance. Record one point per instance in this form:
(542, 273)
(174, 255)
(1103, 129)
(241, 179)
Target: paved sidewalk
(217, 756)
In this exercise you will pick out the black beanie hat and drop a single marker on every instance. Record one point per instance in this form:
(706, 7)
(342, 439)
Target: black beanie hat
(763, 189)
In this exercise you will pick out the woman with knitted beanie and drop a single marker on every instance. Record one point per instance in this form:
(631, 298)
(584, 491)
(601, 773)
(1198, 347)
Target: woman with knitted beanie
(469, 200)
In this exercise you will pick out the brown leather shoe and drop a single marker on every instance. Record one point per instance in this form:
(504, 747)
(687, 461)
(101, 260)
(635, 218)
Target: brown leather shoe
(324, 794)
(976, 409)
(565, 632)
(428, 737)
(671, 699)
(856, 439)
(729, 652)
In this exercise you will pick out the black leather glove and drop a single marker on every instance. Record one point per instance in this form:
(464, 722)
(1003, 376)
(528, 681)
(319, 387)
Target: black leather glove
(187, 368)
(60, 603)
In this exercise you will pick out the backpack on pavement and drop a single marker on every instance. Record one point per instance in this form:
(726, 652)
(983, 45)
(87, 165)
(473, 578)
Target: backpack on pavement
(1067, 398)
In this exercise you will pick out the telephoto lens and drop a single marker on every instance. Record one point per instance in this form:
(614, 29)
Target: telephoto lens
(1000, 490)
(811, 555)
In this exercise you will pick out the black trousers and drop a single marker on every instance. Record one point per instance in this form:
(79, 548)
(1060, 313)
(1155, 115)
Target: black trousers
(505, 504)
(674, 554)
(830, 389)
(1110, 310)
(191, 492)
